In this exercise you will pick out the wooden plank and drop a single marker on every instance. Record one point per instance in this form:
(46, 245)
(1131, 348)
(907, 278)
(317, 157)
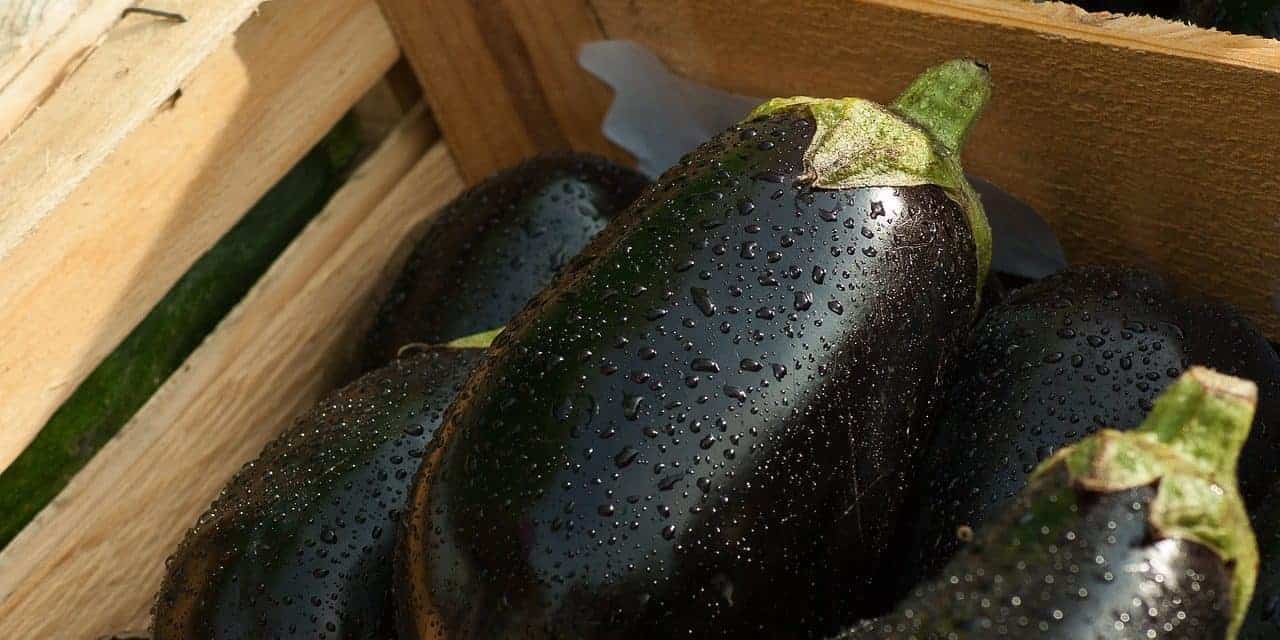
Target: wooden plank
(26, 26)
(41, 42)
(509, 91)
(91, 563)
(113, 92)
(385, 104)
(550, 39)
(1141, 140)
(173, 187)
(469, 90)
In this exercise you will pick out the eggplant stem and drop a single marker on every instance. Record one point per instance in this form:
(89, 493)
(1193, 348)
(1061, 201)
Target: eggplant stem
(946, 100)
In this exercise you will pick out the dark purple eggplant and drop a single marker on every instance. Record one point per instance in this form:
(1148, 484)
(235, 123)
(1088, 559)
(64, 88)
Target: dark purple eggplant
(298, 544)
(486, 254)
(994, 292)
(1061, 358)
(1263, 621)
(1125, 535)
(706, 430)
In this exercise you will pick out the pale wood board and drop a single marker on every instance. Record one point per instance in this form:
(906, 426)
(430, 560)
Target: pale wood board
(91, 562)
(41, 41)
(26, 26)
(501, 78)
(1140, 140)
(80, 282)
(139, 66)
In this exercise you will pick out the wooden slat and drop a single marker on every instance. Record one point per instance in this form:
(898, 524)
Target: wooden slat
(26, 26)
(382, 107)
(550, 41)
(139, 66)
(92, 561)
(500, 77)
(1141, 140)
(41, 41)
(78, 283)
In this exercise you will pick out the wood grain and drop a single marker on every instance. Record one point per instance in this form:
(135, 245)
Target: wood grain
(550, 40)
(112, 93)
(501, 77)
(41, 42)
(26, 26)
(81, 281)
(1140, 140)
(91, 562)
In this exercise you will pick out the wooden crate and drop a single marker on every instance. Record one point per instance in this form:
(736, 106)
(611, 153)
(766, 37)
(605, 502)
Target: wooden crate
(128, 145)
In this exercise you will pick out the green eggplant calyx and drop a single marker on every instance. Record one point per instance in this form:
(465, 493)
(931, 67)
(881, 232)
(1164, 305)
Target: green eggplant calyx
(1207, 418)
(858, 143)
(1188, 446)
(480, 340)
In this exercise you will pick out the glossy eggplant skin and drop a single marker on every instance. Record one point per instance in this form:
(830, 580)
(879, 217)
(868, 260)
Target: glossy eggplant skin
(1263, 620)
(299, 543)
(1066, 563)
(484, 256)
(705, 430)
(1087, 348)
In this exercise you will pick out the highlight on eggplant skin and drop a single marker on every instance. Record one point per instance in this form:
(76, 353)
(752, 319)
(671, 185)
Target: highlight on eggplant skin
(1086, 348)
(1124, 535)
(495, 246)
(299, 543)
(707, 429)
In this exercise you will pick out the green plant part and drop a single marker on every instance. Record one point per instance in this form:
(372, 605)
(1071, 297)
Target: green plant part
(1126, 534)
(724, 401)
(475, 341)
(480, 340)
(914, 141)
(1188, 446)
(1039, 375)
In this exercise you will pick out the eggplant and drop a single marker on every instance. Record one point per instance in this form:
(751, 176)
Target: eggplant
(486, 254)
(1088, 347)
(721, 403)
(1126, 534)
(299, 542)
(994, 292)
(1263, 621)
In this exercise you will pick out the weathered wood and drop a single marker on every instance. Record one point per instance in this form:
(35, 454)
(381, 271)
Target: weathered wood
(112, 93)
(41, 41)
(501, 77)
(90, 564)
(1140, 140)
(26, 26)
(79, 282)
